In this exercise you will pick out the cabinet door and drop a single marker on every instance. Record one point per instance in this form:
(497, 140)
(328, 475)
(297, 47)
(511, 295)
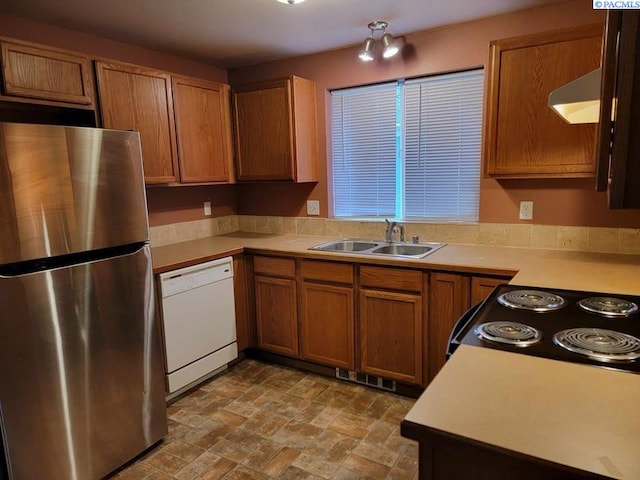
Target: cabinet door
(327, 325)
(619, 140)
(391, 335)
(276, 316)
(525, 138)
(448, 300)
(133, 98)
(264, 140)
(481, 288)
(48, 74)
(203, 126)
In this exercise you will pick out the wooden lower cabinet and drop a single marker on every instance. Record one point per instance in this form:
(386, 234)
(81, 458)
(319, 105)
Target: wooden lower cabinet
(327, 325)
(391, 335)
(481, 287)
(377, 320)
(276, 315)
(448, 300)
(450, 296)
(444, 458)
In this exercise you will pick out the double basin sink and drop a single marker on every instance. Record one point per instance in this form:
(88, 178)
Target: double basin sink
(375, 247)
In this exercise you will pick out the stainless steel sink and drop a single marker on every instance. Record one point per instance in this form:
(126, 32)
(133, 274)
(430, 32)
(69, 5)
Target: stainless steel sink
(347, 245)
(403, 249)
(375, 247)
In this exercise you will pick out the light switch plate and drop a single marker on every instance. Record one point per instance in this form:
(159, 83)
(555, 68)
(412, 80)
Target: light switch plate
(526, 210)
(313, 207)
(207, 209)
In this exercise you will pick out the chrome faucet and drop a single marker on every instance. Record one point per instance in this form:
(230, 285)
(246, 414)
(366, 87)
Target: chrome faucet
(393, 227)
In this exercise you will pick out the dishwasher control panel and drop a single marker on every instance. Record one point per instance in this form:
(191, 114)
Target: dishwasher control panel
(178, 281)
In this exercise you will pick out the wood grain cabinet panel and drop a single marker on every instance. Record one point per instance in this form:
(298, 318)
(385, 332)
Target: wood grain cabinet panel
(448, 300)
(275, 266)
(327, 325)
(619, 126)
(135, 98)
(391, 278)
(391, 335)
(481, 287)
(525, 138)
(327, 271)
(203, 127)
(245, 327)
(39, 72)
(276, 315)
(275, 130)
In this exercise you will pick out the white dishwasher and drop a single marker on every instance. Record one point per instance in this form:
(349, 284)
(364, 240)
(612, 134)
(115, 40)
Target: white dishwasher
(198, 313)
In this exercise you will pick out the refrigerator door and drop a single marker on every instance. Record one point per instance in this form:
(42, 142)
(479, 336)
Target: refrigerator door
(81, 387)
(68, 190)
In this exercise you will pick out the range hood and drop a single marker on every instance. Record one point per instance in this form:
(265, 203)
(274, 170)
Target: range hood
(578, 101)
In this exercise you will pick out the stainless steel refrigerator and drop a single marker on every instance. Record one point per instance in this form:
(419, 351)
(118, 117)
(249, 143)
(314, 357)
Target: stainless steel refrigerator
(81, 377)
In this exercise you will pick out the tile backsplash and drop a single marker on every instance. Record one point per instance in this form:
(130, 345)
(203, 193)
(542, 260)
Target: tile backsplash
(181, 232)
(588, 239)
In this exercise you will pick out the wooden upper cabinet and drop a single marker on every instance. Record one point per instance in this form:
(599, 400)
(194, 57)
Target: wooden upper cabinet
(619, 126)
(524, 137)
(136, 98)
(203, 126)
(39, 72)
(275, 130)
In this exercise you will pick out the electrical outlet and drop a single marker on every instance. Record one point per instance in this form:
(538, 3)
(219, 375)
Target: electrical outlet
(526, 210)
(313, 207)
(207, 209)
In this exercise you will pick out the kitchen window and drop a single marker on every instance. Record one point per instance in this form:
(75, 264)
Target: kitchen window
(409, 149)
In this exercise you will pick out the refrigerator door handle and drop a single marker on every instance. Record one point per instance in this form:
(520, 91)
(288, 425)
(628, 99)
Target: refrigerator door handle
(29, 267)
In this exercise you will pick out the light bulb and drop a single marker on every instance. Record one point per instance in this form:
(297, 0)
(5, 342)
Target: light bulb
(389, 47)
(366, 54)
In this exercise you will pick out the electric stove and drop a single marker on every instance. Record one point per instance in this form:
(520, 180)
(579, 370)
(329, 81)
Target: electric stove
(573, 326)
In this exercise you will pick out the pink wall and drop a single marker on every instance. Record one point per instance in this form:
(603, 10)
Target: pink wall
(184, 204)
(454, 47)
(92, 45)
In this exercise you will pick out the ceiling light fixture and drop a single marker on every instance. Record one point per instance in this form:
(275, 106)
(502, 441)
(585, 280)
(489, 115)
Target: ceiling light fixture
(291, 2)
(389, 46)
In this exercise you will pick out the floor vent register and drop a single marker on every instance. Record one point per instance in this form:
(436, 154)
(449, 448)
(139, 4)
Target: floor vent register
(363, 378)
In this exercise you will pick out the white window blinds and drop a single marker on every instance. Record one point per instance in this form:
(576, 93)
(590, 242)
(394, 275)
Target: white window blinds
(364, 151)
(409, 150)
(443, 138)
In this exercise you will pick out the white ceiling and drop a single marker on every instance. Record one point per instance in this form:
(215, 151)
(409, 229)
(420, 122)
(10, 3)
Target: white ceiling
(231, 33)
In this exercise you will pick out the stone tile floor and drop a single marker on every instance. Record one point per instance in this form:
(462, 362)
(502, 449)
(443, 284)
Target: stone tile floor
(261, 421)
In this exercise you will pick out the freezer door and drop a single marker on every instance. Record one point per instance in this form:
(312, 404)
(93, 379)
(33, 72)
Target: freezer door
(81, 383)
(68, 190)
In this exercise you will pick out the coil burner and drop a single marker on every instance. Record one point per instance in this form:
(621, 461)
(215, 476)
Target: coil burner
(511, 333)
(599, 344)
(608, 306)
(533, 300)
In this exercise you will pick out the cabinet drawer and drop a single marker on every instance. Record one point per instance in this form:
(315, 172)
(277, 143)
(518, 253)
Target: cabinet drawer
(279, 267)
(391, 278)
(327, 271)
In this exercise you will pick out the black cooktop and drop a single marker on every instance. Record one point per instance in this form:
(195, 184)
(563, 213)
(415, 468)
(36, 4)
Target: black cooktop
(501, 323)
